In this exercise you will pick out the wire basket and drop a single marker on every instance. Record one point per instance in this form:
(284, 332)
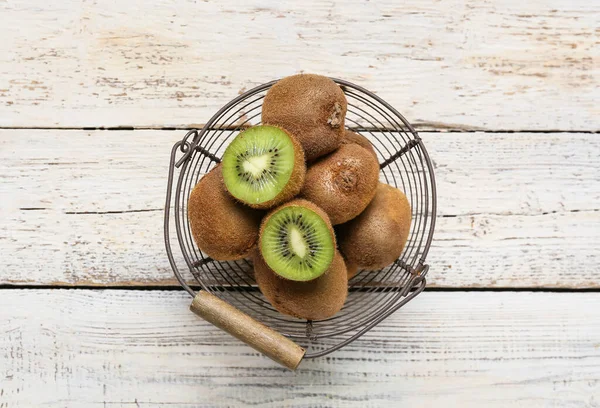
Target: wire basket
(373, 295)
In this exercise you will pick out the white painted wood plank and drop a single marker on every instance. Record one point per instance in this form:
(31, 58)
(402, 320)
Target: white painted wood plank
(85, 171)
(497, 65)
(516, 210)
(129, 348)
(53, 248)
(497, 173)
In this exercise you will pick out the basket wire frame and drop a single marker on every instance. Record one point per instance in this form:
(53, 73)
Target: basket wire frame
(373, 295)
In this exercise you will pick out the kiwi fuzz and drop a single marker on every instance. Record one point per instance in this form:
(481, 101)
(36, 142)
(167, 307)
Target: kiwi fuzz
(342, 183)
(222, 228)
(264, 167)
(356, 138)
(377, 237)
(297, 240)
(352, 270)
(317, 299)
(311, 107)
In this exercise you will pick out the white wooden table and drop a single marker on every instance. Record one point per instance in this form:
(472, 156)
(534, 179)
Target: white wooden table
(506, 96)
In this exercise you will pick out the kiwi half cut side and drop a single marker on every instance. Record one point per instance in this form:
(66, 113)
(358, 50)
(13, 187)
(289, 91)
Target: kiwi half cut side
(297, 241)
(264, 166)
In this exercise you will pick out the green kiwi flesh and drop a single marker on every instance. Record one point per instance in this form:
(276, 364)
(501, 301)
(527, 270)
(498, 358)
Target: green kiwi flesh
(263, 166)
(317, 299)
(297, 241)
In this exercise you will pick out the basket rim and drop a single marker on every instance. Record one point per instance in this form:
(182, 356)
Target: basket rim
(188, 147)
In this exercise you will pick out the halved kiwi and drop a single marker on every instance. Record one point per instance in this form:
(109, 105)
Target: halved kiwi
(297, 241)
(312, 107)
(222, 228)
(264, 166)
(356, 138)
(342, 183)
(376, 237)
(318, 299)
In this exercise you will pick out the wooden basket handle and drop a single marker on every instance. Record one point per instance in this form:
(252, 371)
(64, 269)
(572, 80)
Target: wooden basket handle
(255, 334)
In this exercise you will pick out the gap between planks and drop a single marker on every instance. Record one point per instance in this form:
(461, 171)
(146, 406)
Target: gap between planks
(177, 288)
(418, 127)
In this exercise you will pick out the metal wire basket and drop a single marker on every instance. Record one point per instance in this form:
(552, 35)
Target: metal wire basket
(373, 295)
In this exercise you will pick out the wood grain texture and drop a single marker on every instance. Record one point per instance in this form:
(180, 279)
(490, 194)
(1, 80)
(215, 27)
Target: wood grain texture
(457, 64)
(251, 332)
(130, 348)
(85, 208)
(120, 171)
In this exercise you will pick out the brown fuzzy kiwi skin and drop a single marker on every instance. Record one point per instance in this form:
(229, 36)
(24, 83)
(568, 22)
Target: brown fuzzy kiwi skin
(351, 137)
(352, 269)
(317, 299)
(311, 107)
(342, 183)
(222, 228)
(298, 202)
(294, 184)
(377, 237)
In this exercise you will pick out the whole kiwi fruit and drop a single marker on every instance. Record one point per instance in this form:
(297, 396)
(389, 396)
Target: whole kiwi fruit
(297, 241)
(317, 299)
(342, 183)
(376, 237)
(222, 228)
(312, 108)
(351, 137)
